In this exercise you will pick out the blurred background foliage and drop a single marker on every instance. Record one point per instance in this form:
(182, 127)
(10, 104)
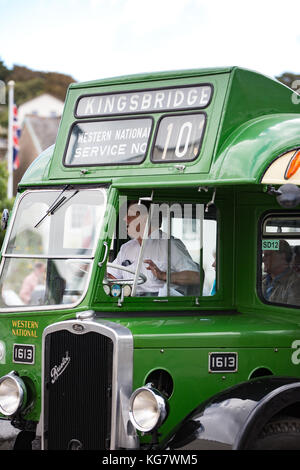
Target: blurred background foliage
(30, 84)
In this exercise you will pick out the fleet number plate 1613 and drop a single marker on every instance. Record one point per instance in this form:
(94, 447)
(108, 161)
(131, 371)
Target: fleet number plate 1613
(23, 353)
(223, 362)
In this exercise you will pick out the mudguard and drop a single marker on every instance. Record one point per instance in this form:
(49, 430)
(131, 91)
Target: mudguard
(234, 418)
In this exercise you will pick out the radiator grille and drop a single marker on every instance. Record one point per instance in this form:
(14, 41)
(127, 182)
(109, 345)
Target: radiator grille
(77, 395)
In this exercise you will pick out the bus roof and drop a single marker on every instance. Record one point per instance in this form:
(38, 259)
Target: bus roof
(144, 77)
(247, 120)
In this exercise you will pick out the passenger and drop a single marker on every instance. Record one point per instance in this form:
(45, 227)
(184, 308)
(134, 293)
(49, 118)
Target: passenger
(32, 281)
(281, 284)
(184, 271)
(296, 260)
(214, 264)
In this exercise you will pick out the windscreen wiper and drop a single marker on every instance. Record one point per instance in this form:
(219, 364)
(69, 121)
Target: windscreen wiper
(59, 201)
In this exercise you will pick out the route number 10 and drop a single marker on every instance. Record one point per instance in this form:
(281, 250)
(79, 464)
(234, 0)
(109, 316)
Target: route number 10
(178, 153)
(179, 137)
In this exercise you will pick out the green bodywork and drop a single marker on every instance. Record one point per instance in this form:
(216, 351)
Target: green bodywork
(250, 121)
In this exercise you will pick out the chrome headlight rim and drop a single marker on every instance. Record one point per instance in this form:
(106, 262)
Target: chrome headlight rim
(20, 390)
(160, 402)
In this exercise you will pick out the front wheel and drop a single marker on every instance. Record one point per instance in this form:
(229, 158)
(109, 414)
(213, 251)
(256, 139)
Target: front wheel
(280, 434)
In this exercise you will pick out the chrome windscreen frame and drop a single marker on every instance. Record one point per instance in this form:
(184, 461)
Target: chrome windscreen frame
(123, 435)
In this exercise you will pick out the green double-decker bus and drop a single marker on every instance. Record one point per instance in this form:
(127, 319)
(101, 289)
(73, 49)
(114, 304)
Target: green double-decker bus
(150, 271)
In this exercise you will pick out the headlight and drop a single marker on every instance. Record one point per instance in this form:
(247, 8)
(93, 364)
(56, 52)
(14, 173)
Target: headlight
(12, 394)
(148, 409)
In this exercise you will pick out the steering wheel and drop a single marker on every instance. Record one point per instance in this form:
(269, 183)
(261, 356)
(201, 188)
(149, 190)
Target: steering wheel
(141, 279)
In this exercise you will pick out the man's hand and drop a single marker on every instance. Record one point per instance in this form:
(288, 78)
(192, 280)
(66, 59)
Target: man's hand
(110, 276)
(161, 275)
(179, 278)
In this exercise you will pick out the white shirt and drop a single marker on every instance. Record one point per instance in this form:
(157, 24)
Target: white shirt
(156, 249)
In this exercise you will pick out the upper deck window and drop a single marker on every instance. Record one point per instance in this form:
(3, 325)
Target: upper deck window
(163, 250)
(179, 138)
(126, 141)
(111, 142)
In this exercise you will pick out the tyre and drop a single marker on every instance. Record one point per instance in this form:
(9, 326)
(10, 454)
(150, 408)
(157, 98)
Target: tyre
(280, 434)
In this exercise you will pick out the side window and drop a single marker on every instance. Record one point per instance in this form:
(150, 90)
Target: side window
(280, 261)
(209, 261)
(169, 250)
(182, 226)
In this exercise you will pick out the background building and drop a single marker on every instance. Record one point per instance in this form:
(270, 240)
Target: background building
(37, 134)
(44, 105)
(39, 120)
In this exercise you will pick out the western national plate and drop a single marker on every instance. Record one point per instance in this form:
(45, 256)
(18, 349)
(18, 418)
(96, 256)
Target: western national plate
(24, 353)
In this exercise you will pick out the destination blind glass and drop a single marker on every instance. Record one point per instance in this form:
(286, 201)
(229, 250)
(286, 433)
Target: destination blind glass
(108, 142)
(168, 99)
(179, 138)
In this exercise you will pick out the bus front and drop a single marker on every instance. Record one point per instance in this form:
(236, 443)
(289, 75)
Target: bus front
(116, 138)
(125, 302)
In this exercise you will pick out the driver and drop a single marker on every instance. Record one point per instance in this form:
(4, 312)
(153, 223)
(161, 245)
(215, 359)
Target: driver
(183, 270)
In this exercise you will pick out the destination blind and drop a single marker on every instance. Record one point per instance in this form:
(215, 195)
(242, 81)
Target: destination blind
(121, 141)
(168, 99)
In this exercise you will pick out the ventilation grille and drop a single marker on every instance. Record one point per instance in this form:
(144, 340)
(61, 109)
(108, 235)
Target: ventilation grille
(77, 395)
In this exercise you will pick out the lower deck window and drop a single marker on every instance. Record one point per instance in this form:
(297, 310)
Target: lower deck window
(165, 249)
(280, 260)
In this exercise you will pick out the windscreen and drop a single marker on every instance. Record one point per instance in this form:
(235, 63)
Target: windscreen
(48, 255)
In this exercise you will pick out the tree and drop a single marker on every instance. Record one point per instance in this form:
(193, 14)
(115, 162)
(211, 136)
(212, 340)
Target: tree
(4, 76)
(27, 90)
(31, 83)
(4, 71)
(289, 79)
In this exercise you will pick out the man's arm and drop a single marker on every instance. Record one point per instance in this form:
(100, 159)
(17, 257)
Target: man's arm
(179, 278)
(110, 276)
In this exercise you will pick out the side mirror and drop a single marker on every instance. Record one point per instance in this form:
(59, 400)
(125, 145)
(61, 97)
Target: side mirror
(289, 196)
(4, 219)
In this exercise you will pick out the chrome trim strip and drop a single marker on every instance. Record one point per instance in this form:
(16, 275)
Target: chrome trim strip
(123, 434)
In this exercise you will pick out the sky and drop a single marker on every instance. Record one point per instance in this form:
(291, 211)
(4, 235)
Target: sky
(94, 39)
